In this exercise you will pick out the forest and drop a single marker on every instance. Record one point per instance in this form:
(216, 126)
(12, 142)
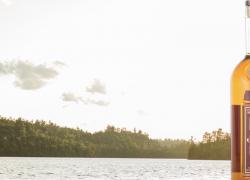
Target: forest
(19, 137)
(214, 146)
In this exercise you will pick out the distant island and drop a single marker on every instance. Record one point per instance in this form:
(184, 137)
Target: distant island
(19, 137)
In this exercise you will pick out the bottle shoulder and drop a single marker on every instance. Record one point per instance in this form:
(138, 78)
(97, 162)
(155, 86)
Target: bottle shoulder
(240, 81)
(242, 69)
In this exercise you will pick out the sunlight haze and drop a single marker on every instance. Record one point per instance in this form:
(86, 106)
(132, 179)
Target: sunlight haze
(152, 65)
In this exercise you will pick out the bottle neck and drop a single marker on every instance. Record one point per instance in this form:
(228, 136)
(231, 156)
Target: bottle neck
(247, 24)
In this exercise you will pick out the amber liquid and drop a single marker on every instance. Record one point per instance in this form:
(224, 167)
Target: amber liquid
(240, 83)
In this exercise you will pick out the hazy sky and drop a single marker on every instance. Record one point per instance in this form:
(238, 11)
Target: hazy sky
(162, 66)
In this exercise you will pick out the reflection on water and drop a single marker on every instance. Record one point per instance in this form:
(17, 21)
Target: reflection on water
(108, 168)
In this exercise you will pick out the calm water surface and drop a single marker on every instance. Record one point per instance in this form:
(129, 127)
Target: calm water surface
(127, 169)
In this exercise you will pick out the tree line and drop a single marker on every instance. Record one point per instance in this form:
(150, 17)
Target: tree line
(214, 146)
(19, 137)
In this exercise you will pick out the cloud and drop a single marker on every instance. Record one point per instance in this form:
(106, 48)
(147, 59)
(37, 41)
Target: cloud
(6, 2)
(97, 102)
(59, 63)
(71, 97)
(97, 87)
(4, 68)
(27, 75)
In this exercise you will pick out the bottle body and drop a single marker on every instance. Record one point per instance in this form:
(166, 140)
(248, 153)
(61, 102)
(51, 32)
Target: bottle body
(240, 122)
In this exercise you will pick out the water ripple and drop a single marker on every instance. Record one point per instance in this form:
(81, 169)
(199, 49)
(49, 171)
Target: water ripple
(112, 168)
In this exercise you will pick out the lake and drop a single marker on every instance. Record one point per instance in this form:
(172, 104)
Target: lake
(112, 168)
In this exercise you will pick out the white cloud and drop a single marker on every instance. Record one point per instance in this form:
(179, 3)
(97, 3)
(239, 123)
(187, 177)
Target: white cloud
(71, 97)
(97, 102)
(28, 76)
(59, 63)
(97, 87)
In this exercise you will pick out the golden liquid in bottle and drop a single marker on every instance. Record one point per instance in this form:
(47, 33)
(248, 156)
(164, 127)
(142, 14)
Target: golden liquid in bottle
(240, 84)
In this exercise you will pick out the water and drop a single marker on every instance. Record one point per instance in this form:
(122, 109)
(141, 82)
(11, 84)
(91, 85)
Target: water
(112, 168)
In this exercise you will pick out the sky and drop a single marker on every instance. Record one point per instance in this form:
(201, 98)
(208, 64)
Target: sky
(160, 66)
